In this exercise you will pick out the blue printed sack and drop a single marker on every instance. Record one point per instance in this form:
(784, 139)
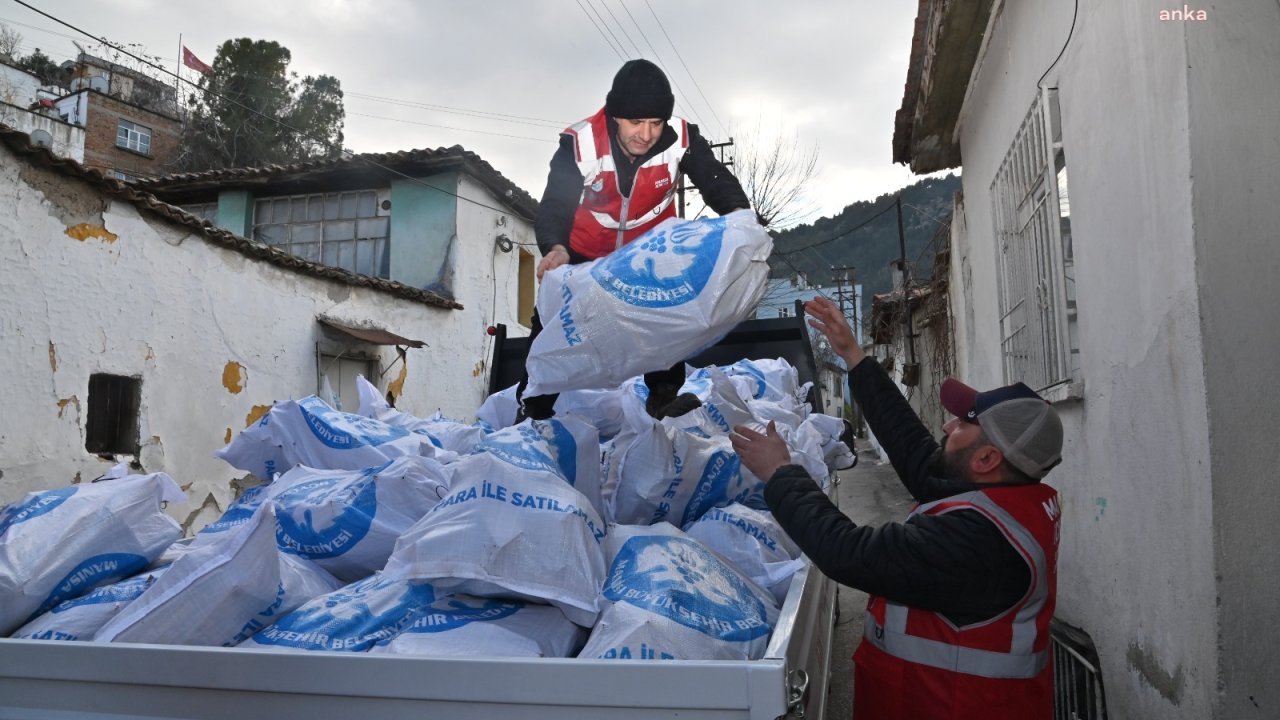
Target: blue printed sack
(657, 300)
(80, 618)
(56, 545)
(466, 626)
(753, 543)
(670, 598)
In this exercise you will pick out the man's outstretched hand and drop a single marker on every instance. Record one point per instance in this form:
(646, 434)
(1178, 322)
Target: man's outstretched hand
(826, 318)
(763, 453)
(554, 258)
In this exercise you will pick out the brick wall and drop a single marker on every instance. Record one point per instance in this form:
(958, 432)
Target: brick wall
(101, 128)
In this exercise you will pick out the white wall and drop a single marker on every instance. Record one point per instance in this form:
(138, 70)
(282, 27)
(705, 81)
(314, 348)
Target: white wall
(138, 296)
(17, 87)
(1233, 61)
(68, 140)
(1136, 569)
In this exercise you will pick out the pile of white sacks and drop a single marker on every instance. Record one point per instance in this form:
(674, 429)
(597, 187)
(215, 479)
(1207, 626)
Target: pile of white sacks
(599, 533)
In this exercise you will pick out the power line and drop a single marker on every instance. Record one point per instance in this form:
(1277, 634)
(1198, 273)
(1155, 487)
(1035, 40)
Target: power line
(484, 114)
(449, 127)
(833, 238)
(686, 68)
(616, 49)
(658, 57)
(621, 29)
(322, 141)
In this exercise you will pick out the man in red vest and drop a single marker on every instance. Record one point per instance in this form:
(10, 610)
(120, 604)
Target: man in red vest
(957, 627)
(613, 178)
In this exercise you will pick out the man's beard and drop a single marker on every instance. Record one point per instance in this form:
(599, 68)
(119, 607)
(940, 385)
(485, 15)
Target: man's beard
(955, 464)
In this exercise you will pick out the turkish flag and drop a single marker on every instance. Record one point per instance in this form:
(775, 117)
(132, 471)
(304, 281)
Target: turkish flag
(190, 60)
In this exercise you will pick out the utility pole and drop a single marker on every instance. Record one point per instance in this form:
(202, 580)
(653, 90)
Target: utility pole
(843, 274)
(680, 189)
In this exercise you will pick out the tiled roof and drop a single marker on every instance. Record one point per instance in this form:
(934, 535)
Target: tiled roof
(20, 144)
(374, 165)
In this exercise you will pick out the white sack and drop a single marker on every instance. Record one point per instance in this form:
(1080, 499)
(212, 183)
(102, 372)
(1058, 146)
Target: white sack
(668, 597)
(80, 618)
(347, 521)
(309, 432)
(221, 591)
(601, 408)
(466, 626)
(498, 410)
(565, 446)
(827, 431)
(753, 543)
(56, 545)
(512, 531)
(349, 619)
(442, 432)
(657, 300)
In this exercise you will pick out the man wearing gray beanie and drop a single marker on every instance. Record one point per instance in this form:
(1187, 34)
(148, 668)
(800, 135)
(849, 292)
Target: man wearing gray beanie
(613, 178)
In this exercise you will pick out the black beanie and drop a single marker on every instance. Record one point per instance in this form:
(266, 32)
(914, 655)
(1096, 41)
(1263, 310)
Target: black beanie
(640, 91)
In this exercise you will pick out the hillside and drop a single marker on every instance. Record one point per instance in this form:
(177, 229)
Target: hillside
(813, 249)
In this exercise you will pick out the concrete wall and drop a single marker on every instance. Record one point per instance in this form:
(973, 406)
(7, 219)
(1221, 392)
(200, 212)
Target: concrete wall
(1137, 557)
(17, 86)
(68, 139)
(1233, 61)
(98, 286)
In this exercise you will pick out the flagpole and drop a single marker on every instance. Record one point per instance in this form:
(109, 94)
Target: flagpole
(177, 98)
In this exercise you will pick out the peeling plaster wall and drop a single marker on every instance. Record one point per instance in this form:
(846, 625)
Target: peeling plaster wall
(92, 285)
(1137, 556)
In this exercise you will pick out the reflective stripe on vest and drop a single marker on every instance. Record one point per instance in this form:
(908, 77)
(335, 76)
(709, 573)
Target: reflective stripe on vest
(1022, 660)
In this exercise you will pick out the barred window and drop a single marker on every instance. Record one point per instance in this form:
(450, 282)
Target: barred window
(1032, 214)
(340, 229)
(204, 211)
(132, 136)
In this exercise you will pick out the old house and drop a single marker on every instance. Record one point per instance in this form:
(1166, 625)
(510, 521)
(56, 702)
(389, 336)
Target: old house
(29, 106)
(136, 332)
(1116, 250)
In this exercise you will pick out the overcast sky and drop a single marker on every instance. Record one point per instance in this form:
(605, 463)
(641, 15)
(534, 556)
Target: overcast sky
(502, 77)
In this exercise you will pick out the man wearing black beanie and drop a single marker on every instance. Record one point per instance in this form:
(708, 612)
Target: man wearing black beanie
(613, 178)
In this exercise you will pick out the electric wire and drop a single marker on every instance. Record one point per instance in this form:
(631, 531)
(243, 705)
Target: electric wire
(323, 142)
(686, 67)
(837, 236)
(1074, 13)
(670, 75)
(621, 29)
(602, 29)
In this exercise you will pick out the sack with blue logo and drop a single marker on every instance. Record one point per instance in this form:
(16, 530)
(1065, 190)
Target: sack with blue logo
(752, 542)
(56, 545)
(224, 589)
(670, 598)
(347, 521)
(654, 302)
(309, 432)
(80, 618)
(600, 408)
(659, 472)
(443, 433)
(467, 626)
(566, 446)
(825, 431)
(511, 527)
(349, 619)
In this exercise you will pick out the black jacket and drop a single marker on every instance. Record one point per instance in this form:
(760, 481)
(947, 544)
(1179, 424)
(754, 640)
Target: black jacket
(720, 189)
(957, 563)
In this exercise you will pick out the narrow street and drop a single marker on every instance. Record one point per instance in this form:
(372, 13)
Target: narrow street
(870, 494)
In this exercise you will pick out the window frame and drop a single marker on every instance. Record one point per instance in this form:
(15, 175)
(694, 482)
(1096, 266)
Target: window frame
(134, 138)
(1034, 258)
(306, 236)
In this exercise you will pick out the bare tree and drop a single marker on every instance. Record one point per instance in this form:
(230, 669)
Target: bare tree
(10, 41)
(775, 172)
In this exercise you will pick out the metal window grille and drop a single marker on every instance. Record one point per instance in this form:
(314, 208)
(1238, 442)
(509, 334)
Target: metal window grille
(1031, 214)
(133, 137)
(1077, 678)
(340, 229)
(113, 415)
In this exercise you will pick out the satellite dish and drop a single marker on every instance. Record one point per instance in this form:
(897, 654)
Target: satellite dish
(99, 83)
(41, 138)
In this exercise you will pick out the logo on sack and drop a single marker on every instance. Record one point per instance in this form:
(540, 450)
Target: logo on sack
(682, 581)
(121, 592)
(666, 267)
(459, 611)
(753, 371)
(97, 570)
(352, 618)
(239, 513)
(719, 471)
(42, 503)
(344, 431)
(325, 517)
(522, 446)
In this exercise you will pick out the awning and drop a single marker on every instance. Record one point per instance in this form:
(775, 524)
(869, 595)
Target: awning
(376, 336)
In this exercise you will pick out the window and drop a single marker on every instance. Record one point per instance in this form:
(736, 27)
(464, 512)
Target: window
(122, 175)
(132, 136)
(524, 308)
(340, 229)
(336, 383)
(1034, 255)
(113, 415)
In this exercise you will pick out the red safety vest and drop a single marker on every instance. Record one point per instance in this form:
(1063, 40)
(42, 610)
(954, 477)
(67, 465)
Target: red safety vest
(915, 665)
(606, 219)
